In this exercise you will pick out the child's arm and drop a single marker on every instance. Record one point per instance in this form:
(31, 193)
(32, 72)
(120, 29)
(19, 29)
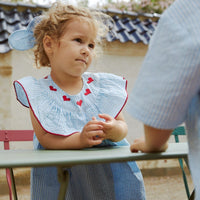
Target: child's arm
(115, 129)
(79, 140)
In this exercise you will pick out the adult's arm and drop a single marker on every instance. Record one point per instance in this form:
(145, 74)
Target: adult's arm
(155, 140)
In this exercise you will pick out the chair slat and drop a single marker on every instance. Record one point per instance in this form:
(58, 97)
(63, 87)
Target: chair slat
(7, 136)
(16, 135)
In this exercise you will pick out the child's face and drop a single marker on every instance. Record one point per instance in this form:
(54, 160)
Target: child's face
(73, 54)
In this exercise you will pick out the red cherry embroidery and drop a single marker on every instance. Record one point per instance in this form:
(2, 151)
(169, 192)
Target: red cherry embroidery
(90, 80)
(79, 102)
(87, 91)
(65, 98)
(52, 88)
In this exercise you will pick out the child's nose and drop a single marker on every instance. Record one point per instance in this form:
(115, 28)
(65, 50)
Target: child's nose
(85, 51)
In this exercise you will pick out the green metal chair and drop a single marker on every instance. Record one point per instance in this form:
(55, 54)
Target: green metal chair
(177, 132)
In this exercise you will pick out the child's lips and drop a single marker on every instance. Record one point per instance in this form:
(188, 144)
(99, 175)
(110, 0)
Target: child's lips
(82, 60)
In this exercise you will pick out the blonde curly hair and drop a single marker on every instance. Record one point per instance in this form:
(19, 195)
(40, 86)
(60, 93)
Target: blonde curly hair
(53, 24)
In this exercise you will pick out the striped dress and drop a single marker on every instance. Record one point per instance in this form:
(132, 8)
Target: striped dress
(166, 92)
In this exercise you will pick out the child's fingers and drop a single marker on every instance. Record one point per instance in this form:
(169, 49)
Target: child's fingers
(97, 134)
(94, 127)
(96, 142)
(105, 116)
(94, 118)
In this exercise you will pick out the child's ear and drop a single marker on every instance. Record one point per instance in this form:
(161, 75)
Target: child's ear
(48, 44)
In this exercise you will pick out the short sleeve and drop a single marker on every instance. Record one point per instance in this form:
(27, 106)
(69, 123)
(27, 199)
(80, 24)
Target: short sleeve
(21, 93)
(112, 95)
(169, 77)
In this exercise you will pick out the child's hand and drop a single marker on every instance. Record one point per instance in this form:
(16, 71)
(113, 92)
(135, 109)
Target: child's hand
(115, 129)
(108, 126)
(92, 133)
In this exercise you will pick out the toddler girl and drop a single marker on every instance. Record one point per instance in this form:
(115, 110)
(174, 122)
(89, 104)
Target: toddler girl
(75, 109)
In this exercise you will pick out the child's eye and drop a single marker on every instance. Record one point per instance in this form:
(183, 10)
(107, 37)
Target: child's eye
(78, 40)
(91, 46)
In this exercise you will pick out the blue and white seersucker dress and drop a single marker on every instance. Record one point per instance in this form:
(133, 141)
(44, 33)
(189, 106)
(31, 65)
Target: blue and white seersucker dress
(62, 114)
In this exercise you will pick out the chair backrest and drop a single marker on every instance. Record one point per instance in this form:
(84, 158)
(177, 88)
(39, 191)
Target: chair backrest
(178, 131)
(7, 136)
(15, 135)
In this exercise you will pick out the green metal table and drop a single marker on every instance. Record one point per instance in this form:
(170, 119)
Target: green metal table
(68, 158)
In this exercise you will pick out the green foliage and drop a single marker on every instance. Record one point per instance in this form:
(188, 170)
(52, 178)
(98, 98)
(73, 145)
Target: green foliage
(140, 6)
(83, 3)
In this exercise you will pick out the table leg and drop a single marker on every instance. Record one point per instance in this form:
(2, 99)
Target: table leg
(14, 191)
(63, 177)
